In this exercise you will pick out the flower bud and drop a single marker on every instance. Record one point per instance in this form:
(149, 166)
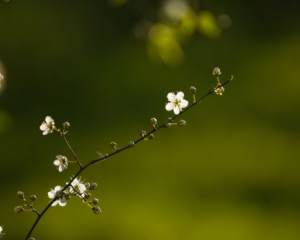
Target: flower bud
(21, 194)
(95, 201)
(168, 125)
(87, 185)
(131, 144)
(19, 209)
(93, 186)
(113, 144)
(33, 198)
(66, 125)
(193, 90)
(143, 133)
(216, 72)
(170, 120)
(31, 238)
(151, 136)
(181, 123)
(153, 121)
(96, 210)
(87, 195)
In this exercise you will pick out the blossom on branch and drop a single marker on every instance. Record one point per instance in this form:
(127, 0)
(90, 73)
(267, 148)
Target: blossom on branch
(61, 163)
(57, 193)
(219, 90)
(77, 187)
(176, 102)
(48, 125)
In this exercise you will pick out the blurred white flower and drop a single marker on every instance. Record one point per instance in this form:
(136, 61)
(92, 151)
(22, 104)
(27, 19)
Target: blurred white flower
(47, 126)
(57, 193)
(176, 102)
(1, 78)
(1, 234)
(61, 163)
(78, 186)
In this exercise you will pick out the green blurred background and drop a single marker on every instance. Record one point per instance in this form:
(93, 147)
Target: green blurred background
(106, 67)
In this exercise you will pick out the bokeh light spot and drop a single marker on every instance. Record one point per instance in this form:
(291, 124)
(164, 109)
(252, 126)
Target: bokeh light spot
(224, 21)
(175, 9)
(208, 25)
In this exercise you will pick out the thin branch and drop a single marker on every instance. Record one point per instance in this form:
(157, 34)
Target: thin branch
(71, 150)
(82, 168)
(161, 126)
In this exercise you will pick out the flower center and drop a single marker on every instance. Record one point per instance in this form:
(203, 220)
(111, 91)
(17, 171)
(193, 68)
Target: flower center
(177, 103)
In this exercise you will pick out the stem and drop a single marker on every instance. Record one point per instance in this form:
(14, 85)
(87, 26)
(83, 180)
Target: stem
(82, 168)
(71, 150)
(39, 217)
(161, 126)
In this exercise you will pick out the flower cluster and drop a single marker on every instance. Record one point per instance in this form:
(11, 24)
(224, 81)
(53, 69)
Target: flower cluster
(76, 188)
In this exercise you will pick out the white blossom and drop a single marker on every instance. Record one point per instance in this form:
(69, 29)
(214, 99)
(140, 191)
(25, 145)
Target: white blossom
(78, 186)
(219, 90)
(57, 193)
(47, 126)
(176, 102)
(61, 163)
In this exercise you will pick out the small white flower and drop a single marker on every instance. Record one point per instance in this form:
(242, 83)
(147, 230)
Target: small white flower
(78, 186)
(57, 193)
(61, 163)
(219, 90)
(47, 126)
(176, 102)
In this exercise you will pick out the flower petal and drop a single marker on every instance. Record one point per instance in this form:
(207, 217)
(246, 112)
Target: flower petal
(176, 110)
(62, 202)
(57, 162)
(54, 203)
(169, 106)
(180, 95)
(49, 120)
(51, 194)
(184, 103)
(57, 188)
(81, 187)
(44, 127)
(171, 97)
